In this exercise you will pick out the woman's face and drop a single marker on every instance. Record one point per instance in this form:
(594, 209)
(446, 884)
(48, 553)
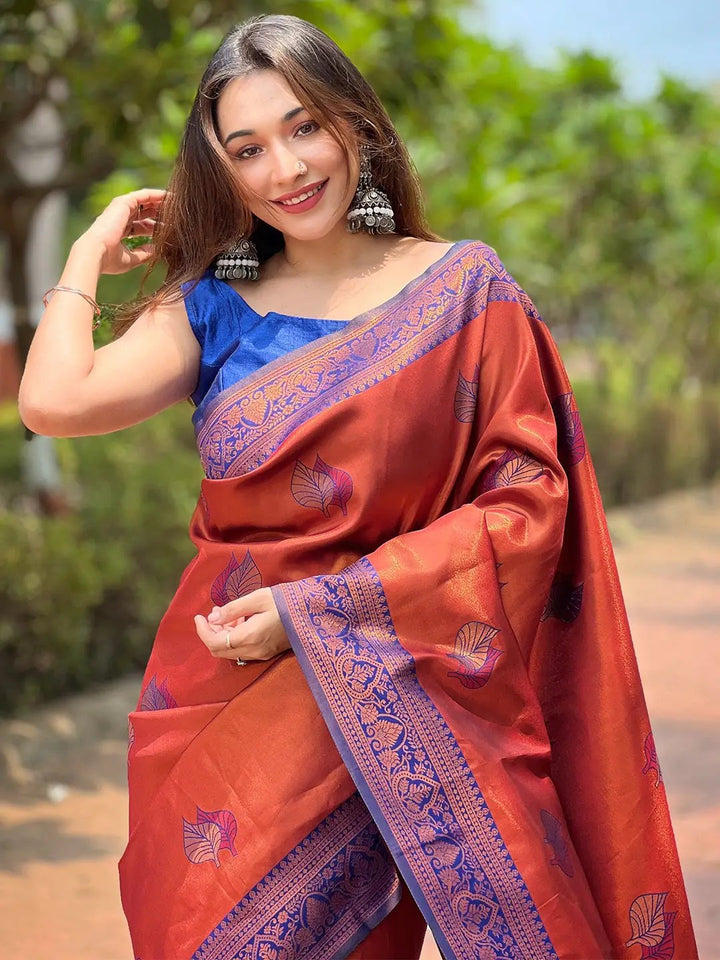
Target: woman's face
(266, 132)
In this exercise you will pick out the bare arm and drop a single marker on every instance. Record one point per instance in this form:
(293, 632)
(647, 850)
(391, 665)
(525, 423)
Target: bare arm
(71, 389)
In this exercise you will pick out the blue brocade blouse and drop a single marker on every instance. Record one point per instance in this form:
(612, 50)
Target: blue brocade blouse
(235, 340)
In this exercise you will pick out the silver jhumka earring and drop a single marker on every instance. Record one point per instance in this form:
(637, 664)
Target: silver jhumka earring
(240, 263)
(371, 209)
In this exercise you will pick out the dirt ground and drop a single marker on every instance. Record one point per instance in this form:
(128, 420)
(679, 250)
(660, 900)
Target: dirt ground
(62, 769)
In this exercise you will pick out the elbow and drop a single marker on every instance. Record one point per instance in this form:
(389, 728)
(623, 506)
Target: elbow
(42, 416)
(37, 419)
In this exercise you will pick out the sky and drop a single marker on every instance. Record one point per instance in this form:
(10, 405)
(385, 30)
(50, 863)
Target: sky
(644, 37)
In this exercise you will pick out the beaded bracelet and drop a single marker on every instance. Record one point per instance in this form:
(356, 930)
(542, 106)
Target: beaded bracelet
(47, 296)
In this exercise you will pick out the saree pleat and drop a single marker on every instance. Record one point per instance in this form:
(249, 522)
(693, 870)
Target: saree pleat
(460, 724)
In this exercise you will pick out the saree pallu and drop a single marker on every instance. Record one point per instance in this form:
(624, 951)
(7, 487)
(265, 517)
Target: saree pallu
(461, 715)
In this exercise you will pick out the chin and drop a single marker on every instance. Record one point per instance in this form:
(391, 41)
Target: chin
(309, 232)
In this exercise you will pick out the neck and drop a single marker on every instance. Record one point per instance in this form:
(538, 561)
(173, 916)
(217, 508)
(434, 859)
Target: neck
(339, 252)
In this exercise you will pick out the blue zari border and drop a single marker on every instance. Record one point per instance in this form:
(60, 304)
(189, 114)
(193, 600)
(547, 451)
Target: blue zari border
(247, 422)
(319, 902)
(409, 768)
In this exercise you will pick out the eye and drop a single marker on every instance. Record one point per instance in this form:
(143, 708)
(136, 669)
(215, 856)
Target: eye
(307, 128)
(247, 153)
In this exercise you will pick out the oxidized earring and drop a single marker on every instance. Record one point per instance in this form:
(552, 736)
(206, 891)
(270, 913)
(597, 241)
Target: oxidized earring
(240, 263)
(371, 209)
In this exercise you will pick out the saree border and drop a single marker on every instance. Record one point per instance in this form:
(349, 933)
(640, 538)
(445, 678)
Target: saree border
(314, 903)
(249, 421)
(409, 769)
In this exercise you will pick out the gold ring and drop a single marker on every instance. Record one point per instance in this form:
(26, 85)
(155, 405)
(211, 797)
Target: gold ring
(227, 640)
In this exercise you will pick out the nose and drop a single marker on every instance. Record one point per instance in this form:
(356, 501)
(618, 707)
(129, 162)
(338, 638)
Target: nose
(285, 163)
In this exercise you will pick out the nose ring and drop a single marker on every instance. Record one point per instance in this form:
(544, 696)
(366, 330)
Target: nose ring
(301, 167)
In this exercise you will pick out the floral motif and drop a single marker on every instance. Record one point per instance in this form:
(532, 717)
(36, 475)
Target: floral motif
(321, 487)
(466, 395)
(652, 763)
(652, 927)
(212, 832)
(474, 653)
(236, 580)
(157, 697)
(565, 600)
(555, 837)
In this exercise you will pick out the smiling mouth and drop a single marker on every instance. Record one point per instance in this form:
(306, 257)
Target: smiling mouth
(301, 197)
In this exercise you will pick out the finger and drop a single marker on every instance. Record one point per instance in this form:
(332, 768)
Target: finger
(246, 606)
(136, 257)
(208, 636)
(216, 642)
(144, 226)
(223, 627)
(145, 195)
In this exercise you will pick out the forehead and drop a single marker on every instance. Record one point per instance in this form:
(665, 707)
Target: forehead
(255, 100)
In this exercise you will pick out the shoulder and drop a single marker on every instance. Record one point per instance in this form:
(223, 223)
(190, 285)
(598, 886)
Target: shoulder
(201, 297)
(489, 278)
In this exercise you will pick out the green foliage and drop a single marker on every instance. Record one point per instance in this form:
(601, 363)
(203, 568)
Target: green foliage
(82, 594)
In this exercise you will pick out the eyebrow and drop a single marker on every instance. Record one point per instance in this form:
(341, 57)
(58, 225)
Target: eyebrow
(248, 133)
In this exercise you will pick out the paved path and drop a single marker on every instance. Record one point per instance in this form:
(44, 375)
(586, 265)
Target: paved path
(58, 875)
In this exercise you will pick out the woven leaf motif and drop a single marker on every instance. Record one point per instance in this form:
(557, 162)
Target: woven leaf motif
(521, 468)
(157, 697)
(226, 823)
(513, 466)
(475, 654)
(647, 919)
(571, 438)
(555, 837)
(311, 489)
(236, 580)
(666, 948)
(652, 765)
(341, 482)
(202, 842)
(565, 600)
(466, 394)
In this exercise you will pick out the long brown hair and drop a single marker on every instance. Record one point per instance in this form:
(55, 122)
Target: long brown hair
(203, 213)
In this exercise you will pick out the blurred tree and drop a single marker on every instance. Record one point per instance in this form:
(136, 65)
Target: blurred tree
(101, 90)
(119, 77)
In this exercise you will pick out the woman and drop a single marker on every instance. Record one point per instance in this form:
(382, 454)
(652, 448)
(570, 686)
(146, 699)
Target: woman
(395, 685)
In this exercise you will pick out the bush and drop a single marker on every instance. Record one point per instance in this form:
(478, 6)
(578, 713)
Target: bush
(82, 594)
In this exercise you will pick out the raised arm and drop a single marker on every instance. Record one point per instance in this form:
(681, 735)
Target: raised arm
(71, 389)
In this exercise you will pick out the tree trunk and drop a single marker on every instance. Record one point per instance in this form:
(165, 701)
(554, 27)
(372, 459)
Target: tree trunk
(33, 222)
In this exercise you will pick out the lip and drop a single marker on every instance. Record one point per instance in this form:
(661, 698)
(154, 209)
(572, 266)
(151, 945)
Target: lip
(306, 204)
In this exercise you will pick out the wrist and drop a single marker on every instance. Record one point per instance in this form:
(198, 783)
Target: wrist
(89, 248)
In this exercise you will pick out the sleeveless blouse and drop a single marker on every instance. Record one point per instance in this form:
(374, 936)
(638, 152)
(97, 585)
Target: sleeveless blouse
(235, 340)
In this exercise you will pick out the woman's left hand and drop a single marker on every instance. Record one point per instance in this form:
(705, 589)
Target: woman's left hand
(251, 625)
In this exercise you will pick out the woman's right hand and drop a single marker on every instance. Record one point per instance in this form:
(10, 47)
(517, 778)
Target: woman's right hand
(131, 214)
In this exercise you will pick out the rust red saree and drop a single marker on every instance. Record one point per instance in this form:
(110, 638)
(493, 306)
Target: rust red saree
(460, 724)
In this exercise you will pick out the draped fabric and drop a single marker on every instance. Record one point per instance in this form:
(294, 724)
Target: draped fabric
(460, 724)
